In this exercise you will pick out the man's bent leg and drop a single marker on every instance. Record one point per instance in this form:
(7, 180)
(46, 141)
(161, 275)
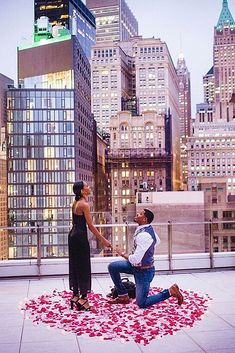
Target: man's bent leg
(143, 280)
(117, 267)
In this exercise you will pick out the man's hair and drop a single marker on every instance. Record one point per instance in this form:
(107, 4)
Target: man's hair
(149, 215)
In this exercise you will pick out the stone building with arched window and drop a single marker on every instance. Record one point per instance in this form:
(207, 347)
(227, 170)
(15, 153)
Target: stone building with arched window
(139, 159)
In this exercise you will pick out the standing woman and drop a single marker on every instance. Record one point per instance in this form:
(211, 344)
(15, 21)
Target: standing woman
(79, 248)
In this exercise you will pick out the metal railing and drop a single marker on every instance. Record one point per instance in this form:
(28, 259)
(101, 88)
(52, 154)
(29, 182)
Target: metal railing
(177, 238)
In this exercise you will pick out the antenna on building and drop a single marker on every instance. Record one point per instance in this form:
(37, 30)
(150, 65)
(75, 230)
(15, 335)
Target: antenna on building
(74, 23)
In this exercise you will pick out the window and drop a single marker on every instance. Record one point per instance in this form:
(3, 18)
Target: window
(227, 214)
(215, 214)
(229, 225)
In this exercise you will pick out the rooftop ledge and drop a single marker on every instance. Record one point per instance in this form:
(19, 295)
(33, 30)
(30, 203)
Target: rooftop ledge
(58, 266)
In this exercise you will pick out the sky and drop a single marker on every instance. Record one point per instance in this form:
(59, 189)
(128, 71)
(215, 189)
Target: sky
(186, 26)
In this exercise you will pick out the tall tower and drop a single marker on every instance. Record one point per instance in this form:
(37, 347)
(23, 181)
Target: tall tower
(138, 71)
(211, 148)
(224, 42)
(114, 20)
(72, 14)
(184, 96)
(185, 112)
(50, 141)
(5, 83)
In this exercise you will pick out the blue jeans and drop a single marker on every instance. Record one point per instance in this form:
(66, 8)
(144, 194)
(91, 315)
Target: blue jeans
(143, 278)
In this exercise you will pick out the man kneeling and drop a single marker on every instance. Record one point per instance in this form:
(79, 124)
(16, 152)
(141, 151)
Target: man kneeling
(141, 264)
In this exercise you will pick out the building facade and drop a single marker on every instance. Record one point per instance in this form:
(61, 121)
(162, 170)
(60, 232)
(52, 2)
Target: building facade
(224, 53)
(211, 150)
(209, 86)
(185, 113)
(72, 14)
(212, 156)
(101, 179)
(50, 142)
(137, 75)
(5, 83)
(110, 77)
(114, 20)
(137, 160)
(184, 96)
(220, 210)
(41, 169)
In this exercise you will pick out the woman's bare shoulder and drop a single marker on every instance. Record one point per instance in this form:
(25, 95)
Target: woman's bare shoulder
(80, 206)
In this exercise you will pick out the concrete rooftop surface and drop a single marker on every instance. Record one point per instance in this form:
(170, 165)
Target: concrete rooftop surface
(215, 333)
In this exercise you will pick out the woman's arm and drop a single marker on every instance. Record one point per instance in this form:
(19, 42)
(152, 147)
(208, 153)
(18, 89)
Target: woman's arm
(92, 228)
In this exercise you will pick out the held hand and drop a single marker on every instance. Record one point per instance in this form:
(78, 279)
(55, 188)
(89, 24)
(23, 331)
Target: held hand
(106, 243)
(119, 251)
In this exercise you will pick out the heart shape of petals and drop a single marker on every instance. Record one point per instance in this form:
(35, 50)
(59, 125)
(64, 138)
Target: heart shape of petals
(117, 322)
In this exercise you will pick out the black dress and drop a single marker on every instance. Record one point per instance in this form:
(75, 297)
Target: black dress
(79, 257)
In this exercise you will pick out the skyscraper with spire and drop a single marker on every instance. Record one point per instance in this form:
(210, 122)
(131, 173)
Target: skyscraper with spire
(211, 148)
(184, 96)
(211, 156)
(224, 59)
(185, 112)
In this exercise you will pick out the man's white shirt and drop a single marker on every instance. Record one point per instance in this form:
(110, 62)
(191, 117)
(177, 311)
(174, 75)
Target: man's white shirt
(143, 241)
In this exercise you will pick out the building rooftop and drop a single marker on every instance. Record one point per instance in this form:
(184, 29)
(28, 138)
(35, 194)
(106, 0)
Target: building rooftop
(213, 334)
(211, 71)
(226, 17)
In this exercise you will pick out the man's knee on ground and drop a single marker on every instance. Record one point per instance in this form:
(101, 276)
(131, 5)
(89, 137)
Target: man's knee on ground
(140, 303)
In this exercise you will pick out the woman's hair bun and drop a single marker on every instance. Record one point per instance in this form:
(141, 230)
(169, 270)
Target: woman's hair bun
(77, 188)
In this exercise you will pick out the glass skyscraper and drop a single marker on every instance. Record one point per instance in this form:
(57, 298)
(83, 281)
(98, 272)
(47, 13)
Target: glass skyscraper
(41, 168)
(50, 143)
(5, 83)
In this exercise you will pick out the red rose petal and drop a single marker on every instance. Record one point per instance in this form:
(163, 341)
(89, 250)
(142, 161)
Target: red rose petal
(117, 322)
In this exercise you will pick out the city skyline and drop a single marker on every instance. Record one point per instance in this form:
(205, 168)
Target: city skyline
(193, 35)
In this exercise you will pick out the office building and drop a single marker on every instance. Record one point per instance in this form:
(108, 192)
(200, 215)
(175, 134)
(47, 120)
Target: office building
(139, 76)
(101, 214)
(184, 96)
(220, 211)
(185, 113)
(209, 86)
(110, 77)
(72, 14)
(211, 149)
(114, 20)
(211, 153)
(101, 178)
(140, 71)
(50, 133)
(223, 55)
(5, 83)
(138, 159)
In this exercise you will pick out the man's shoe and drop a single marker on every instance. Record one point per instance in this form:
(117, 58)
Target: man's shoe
(121, 299)
(175, 292)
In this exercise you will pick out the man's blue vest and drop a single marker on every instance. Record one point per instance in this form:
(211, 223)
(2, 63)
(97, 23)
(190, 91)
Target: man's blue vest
(147, 259)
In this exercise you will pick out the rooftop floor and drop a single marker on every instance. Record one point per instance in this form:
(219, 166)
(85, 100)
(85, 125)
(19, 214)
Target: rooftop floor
(215, 333)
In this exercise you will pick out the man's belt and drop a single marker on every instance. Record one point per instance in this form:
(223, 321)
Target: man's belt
(144, 267)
